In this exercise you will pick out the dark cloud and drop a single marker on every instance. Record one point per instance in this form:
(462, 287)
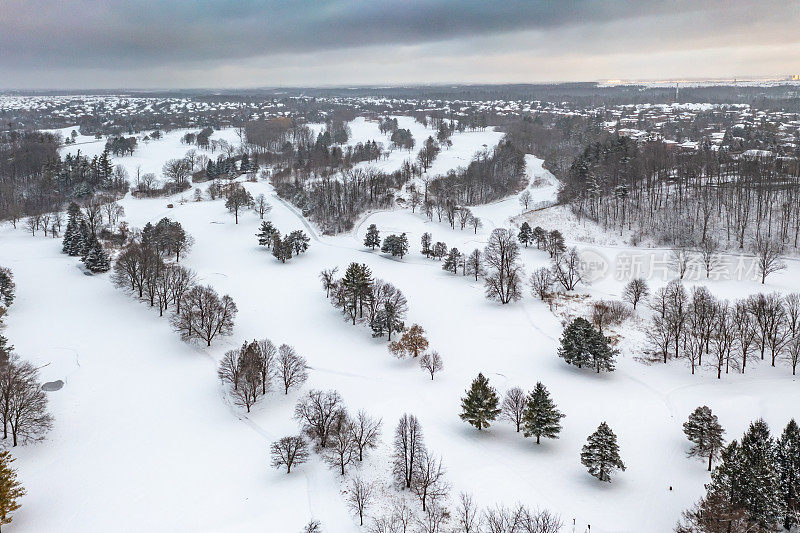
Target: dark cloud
(127, 38)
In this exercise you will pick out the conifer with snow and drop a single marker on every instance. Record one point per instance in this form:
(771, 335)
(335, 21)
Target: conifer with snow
(96, 260)
(788, 461)
(451, 262)
(541, 417)
(705, 433)
(582, 345)
(480, 405)
(600, 454)
(372, 238)
(525, 234)
(266, 233)
(759, 478)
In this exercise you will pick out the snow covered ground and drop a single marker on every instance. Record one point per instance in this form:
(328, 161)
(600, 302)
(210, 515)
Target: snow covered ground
(144, 439)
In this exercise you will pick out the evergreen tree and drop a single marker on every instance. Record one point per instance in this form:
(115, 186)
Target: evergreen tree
(760, 480)
(726, 478)
(298, 241)
(480, 405)
(357, 285)
(525, 234)
(10, 489)
(451, 262)
(373, 237)
(5, 348)
(540, 236)
(426, 241)
(266, 233)
(788, 459)
(6, 287)
(555, 243)
(705, 433)
(281, 249)
(395, 245)
(71, 244)
(96, 259)
(541, 417)
(600, 454)
(85, 239)
(582, 344)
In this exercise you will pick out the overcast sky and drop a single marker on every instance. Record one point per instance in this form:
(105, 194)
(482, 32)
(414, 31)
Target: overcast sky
(214, 43)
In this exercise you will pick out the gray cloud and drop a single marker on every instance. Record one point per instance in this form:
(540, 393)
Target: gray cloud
(172, 43)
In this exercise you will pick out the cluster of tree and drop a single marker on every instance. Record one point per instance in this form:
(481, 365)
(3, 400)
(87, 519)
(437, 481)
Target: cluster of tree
(413, 343)
(250, 371)
(444, 207)
(489, 177)
(703, 330)
(80, 236)
(430, 149)
(551, 241)
(121, 145)
(684, 198)
(47, 222)
(388, 125)
(357, 291)
(145, 270)
(403, 139)
(583, 345)
(756, 485)
(283, 248)
(334, 201)
(35, 180)
(201, 138)
(535, 414)
(341, 439)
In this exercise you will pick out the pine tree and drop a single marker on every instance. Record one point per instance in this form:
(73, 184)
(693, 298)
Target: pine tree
(525, 234)
(265, 233)
(281, 249)
(582, 344)
(788, 459)
(71, 245)
(541, 417)
(760, 481)
(451, 262)
(85, 239)
(97, 259)
(479, 406)
(426, 241)
(574, 348)
(726, 478)
(705, 433)
(373, 237)
(10, 489)
(5, 348)
(6, 287)
(600, 454)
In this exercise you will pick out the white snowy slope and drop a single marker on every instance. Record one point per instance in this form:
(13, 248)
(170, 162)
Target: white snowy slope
(144, 439)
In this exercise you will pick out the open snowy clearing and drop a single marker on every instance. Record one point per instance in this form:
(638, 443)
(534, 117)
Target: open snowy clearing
(144, 439)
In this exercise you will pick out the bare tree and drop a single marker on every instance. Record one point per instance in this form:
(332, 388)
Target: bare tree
(476, 223)
(261, 206)
(342, 449)
(360, 495)
(204, 315)
(525, 199)
(328, 278)
(320, 412)
(504, 274)
(566, 269)
(468, 517)
(514, 404)
(428, 482)
(289, 452)
(291, 368)
(408, 447)
(635, 290)
(366, 432)
(541, 283)
(709, 253)
(431, 362)
(23, 403)
(768, 254)
(434, 519)
(238, 198)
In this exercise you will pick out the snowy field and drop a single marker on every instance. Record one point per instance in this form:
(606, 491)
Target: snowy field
(144, 439)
